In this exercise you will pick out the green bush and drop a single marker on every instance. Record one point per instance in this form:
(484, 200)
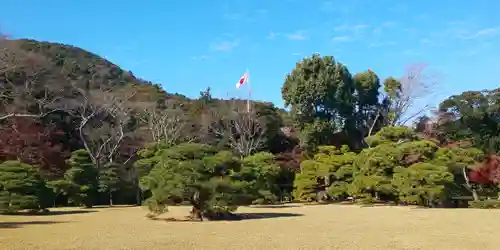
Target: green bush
(21, 187)
(486, 204)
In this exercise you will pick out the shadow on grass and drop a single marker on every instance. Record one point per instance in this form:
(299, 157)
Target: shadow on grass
(115, 206)
(276, 206)
(350, 203)
(10, 225)
(53, 213)
(258, 216)
(234, 217)
(380, 205)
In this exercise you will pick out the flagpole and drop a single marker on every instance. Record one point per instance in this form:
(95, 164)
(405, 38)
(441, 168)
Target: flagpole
(249, 91)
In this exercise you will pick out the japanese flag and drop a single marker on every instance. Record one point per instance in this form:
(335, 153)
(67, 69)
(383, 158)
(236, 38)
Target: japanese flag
(243, 80)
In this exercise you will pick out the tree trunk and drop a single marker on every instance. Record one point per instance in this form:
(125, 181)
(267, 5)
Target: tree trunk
(196, 212)
(138, 196)
(55, 200)
(110, 198)
(475, 196)
(138, 200)
(327, 182)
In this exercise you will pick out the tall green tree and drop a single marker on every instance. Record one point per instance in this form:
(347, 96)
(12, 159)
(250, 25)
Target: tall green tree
(325, 100)
(472, 116)
(368, 115)
(319, 91)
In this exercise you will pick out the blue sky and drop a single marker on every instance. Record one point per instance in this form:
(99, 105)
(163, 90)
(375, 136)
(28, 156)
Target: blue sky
(188, 45)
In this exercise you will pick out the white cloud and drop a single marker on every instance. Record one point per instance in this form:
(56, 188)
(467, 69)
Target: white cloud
(383, 26)
(398, 8)
(377, 31)
(341, 39)
(343, 27)
(342, 7)
(232, 16)
(467, 30)
(356, 29)
(411, 52)
(423, 17)
(327, 6)
(262, 11)
(466, 53)
(272, 35)
(298, 35)
(224, 46)
(427, 41)
(200, 58)
(359, 27)
(381, 44)
(296, 54)
(233, 12)
(389, 24)
(483, 33)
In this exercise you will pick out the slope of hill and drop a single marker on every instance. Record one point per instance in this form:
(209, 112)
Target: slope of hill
(42, 77)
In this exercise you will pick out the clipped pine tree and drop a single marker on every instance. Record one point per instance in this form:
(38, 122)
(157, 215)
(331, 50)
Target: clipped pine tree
(82, 178)
(195, 174)
(21, 187)
(422, 183)
(306, 184)
(109, 180)
(259, 176)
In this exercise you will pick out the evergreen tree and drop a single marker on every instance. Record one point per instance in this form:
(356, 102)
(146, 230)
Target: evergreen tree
(422, 183)
(21, 187)
(82, 178)
(259, 174)
(109, 180)
(194, 173)
(306, 183)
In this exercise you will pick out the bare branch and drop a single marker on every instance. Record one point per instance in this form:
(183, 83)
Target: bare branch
(416, 85)
(103, 116)
(165, 125)
(243, 130)
(370, 130)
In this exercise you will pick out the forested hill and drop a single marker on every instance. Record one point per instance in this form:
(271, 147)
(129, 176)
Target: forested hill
(58, 98)
(77, 63)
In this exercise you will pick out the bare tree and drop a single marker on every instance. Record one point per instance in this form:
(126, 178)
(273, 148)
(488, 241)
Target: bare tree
(23, 92)
(243, 130)
(165, 125)
(415, 86)
(103, 117)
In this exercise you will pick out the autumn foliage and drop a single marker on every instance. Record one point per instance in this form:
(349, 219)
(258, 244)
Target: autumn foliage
(32, 143)
(488, 172)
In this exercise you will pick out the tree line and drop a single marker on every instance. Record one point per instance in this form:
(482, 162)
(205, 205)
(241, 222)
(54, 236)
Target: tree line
(76, 129)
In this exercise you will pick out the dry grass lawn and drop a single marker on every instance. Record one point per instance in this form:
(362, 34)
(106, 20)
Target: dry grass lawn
(294, 227)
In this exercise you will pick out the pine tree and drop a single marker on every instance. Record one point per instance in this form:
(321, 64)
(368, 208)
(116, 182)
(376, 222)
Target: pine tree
(306, 182)
(82, 178)
(195, 173)
(21, 187)
(422, 183)
(109, 180)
